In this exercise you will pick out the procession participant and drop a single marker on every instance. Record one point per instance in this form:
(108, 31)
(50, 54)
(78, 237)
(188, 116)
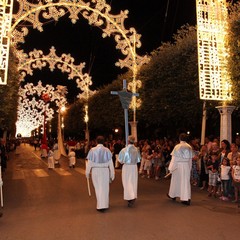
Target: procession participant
(51, 163)
(72, 158)
(180, 168)
(56, 153)
(44, 150)
(129, 157)
(100, 165)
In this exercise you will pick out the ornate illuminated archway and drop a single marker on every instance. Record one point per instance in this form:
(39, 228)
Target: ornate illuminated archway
(37, 60)
(31, 110)
(97, 12)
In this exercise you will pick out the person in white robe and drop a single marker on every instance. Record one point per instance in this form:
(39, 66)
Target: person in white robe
(72, 158)
(100, 165)
(51, 163)
(129, 157)
(56, 152)
(180, 169)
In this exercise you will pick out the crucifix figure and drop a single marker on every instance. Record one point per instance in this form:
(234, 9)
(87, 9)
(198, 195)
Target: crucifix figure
(125, 98)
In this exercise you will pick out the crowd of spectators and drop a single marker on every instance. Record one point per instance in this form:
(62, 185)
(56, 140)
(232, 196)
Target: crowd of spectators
(215, 164)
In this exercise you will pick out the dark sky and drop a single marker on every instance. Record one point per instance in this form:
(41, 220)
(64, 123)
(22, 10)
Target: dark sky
(155, 20)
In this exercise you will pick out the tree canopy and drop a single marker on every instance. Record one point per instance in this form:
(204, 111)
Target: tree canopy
(9, 98)
(170, 89)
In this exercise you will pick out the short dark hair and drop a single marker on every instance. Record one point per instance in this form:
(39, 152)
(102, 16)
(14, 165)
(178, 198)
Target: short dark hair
(183, 137)
(100, 139)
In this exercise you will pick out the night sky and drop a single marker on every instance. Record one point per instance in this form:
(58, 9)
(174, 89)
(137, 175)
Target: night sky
(155, 20)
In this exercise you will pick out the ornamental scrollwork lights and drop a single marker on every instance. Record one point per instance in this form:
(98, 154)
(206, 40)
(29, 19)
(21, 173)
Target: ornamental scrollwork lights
(29, 117)
(97, 12)
(31, 110)
(65, 63)
(37, 60)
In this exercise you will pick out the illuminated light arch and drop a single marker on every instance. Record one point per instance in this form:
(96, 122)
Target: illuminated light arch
(65, 63)
(31, 111)
(30, 118)
(37, 60)
(97, 12)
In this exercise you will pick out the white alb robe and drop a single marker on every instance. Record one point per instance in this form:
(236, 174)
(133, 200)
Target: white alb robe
(100, 165)
(56, 152)
(180, 167)
(51, 163)
(129, 157)
(72, 158)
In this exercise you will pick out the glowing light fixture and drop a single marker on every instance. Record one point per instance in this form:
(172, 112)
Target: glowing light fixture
(214, 80)
(31, 111)
(97, 12)
(6, 7)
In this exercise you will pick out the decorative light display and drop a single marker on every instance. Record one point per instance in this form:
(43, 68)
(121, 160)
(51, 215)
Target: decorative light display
(31, 115)
(214, 80)
(31, 111)
(37, 60)
(6, 7)
(97, 12)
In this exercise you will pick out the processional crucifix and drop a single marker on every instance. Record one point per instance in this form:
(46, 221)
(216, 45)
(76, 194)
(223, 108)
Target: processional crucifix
(125, 98)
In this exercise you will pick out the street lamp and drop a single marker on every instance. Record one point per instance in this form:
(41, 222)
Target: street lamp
(61, 148)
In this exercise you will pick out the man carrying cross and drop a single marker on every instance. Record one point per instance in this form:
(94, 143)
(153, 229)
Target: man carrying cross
(128, 156)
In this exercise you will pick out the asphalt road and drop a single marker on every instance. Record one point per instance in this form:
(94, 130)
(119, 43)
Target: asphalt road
(42, 204)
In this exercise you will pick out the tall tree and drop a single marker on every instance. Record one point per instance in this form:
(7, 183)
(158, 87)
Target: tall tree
(170, 92)
(9, 98)
(234, 49)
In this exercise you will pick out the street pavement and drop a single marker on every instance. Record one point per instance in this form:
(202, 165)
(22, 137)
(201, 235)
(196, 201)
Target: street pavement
(43, 204)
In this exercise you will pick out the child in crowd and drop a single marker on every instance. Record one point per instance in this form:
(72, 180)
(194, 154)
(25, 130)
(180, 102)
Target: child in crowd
(148, 163)
(51, 163)
(72, 158)
(144, 154)
(236, 179)
(194, 172)
(158, 159)
(225, 178)
(212, 167)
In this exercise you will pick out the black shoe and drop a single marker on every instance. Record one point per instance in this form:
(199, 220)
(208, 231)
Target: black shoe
(102, 210)
(173, 198)
(186, 202)
(131, 202)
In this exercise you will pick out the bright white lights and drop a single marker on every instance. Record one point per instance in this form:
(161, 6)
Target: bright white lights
(6, 7)
(97, 12)
(214, 80)
(31, 111)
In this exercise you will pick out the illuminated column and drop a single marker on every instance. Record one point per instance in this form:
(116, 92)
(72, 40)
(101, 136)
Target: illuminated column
(214, 80)
(6, 7)
(226, 122)
(46, 99)
(87, 135)
(204, 119)
(134, 129)
(61, 147)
